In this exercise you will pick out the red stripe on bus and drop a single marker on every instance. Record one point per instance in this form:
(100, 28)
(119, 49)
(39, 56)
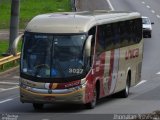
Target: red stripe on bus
(111, 70)
(50, 85)
(102, 69)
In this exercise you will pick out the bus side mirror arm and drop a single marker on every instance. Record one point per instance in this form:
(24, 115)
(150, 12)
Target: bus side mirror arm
(15, 44)
(87, 50)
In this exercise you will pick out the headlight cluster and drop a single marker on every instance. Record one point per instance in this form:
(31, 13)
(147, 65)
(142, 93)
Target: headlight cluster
(25, 87)
(83, 85)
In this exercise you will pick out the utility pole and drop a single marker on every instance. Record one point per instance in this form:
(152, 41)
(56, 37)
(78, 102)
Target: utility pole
(14, 23)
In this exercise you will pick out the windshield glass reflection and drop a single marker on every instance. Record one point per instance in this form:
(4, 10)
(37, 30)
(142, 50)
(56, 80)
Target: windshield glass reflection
(52, 56)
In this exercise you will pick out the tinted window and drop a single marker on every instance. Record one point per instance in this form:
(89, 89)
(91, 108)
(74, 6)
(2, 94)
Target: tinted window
(120, 34)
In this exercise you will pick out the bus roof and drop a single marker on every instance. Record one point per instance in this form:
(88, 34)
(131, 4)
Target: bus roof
(76, 22)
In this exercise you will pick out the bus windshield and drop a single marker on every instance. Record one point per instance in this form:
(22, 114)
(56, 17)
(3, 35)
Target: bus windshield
(53, 56)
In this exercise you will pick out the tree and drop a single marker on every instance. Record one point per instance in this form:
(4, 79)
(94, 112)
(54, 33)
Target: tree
(14, 23)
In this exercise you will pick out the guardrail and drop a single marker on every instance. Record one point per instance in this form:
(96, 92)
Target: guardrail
(9, 59)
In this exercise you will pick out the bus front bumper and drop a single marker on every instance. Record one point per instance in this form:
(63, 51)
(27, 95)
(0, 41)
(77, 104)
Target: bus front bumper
(48, 96)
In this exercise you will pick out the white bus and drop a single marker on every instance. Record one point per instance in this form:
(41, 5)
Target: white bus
(80, 57)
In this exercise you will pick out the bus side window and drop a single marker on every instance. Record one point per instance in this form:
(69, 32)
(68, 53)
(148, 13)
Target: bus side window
(109, 37)
(92, 31)
(116, 35)
(100, 47)
(128, 30)
(123, 34)
(131, 32)
(138, 29)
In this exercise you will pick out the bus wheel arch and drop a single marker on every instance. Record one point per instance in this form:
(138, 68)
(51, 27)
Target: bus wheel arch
(130, 76)
(125, 92)
(96, 92)
(97, 85)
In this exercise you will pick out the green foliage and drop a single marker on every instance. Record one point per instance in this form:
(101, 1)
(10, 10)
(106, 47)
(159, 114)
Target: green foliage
(4, 46)
(29, 9)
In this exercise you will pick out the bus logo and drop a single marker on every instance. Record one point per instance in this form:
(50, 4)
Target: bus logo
(130, 54)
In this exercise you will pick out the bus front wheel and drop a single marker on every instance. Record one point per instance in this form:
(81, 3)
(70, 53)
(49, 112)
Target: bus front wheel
(92, 104)
(38, 106)
(124, 93)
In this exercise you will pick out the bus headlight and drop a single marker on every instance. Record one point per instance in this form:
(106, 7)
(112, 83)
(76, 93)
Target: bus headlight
(25, 86)
(80, 86)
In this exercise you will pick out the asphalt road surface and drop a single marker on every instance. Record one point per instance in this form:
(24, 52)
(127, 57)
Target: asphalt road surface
(144, 97)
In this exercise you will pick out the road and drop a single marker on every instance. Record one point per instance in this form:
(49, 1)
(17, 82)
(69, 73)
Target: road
(4, 34)
(144, 98)
(84, 5)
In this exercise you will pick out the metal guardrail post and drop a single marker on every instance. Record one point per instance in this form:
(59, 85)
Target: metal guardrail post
(74, 4)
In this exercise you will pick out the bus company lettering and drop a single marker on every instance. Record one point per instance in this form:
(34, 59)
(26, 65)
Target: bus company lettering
(130, 54)
(72, 84)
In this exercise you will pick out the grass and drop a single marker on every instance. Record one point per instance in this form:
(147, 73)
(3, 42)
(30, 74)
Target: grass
(29, 9)
(4, 46)
(3, 49)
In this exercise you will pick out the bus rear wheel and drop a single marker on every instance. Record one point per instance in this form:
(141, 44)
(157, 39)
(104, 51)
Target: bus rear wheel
(124, 93)
(38, 106)
(93, 103)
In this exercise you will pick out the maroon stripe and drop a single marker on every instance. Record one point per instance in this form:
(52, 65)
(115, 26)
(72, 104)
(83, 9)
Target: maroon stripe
(50, 85)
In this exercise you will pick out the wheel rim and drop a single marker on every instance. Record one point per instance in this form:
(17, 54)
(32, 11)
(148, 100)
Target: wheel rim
(95, 98)
(127, 87)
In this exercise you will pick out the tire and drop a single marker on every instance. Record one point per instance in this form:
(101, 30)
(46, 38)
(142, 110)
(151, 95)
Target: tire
(125, 93)
(150, 35)
(93, 103)
(38, 106)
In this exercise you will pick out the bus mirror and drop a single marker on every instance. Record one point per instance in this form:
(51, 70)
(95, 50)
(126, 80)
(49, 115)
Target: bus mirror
(88, 46)
(15, 44)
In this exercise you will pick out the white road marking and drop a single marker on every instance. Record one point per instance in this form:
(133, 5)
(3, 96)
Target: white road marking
(110, 4)
(17, 77)
(9, 89)
(148, 6)
(1, 90)
(143, 2)
(143, 81)
(3, 101)
(9, 83)
(9, 99)
(152, 11)
(158, 73)
(158, 16)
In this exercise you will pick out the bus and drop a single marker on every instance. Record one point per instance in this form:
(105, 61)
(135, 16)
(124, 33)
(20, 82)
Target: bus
(80, 57)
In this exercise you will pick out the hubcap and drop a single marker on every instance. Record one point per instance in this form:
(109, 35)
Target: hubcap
(94, 99)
